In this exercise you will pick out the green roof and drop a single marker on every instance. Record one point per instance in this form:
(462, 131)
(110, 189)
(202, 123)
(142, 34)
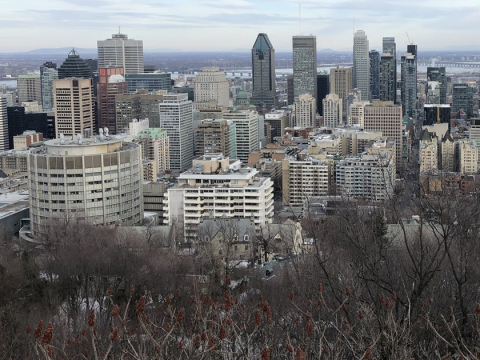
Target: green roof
(241, 95)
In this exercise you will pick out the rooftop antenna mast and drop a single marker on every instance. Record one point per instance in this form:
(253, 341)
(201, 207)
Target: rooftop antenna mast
(119, 30)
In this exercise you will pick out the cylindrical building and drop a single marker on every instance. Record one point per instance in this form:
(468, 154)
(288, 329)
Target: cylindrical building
(97, 180)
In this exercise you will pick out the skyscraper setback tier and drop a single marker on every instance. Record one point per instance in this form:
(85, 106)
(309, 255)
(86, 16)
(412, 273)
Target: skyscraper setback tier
(121, 51)
(304, 66)
(263, 72)
(361, 65)
(74, 67)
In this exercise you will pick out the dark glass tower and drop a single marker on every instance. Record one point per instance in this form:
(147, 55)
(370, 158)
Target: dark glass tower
(74, 66)
(375, 74)
(323, 89)
(438, 74)
(388, 81)
(263, 72)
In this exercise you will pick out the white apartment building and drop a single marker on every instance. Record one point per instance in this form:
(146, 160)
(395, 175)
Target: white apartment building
(121, 51)
(361, 65)
(325, 143)
(176, 118)
(303, 177)
(217, 187)
(447, 154)
(354, 139)
(332, 111)
(136, 126)
(356, 113)
(73, 106)
(97, 180)
(474, 133)
(467, 157)
(304, 111)
(246, 131)
(428, 153)
(211, 84)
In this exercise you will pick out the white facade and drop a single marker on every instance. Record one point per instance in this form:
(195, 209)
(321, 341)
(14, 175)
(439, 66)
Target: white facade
(211, 84)
(341, 83)
(356, 113)
(217, 187)
(137, 125)
(332, 111)
(305, 111)
(176, 117)
(428, 155)
(120, 51)
(467, 157)
(247, 132)
(97, 180)
(361, 65)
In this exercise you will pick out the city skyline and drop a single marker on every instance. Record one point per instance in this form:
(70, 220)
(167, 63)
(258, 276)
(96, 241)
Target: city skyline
(215, 24)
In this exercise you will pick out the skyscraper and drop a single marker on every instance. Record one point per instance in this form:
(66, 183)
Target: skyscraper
(140, 105)
(176, 117)
(263, 72)
(211, 84)
(111, 83)
(48, 73)
(361, 65)
(462, 99)
(73, 106)
(305, 65)
(437, 75)
(388, 81)
(341, 84)
(409, 81)
(4, 143)
(389, 47)
(323, 89)
(121, 51)
(374, 74)
(74, 66)
(29, 88)
(246, 131)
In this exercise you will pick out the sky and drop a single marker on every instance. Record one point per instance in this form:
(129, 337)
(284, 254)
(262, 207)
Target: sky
(231, 25)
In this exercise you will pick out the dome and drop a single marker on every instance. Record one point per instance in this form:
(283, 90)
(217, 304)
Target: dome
(241, 95)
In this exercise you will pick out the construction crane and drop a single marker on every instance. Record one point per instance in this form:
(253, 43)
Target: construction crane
(409, 41)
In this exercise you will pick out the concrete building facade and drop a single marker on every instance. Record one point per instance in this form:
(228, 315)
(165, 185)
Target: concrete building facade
(361, 65)
(305, 111)
(120, 51)
(211, 84)
(305, 66)
(332, 111)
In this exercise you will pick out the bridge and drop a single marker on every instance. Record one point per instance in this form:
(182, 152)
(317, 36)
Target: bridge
(459, 64)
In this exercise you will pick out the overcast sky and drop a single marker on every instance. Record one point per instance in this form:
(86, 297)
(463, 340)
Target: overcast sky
(226, 25)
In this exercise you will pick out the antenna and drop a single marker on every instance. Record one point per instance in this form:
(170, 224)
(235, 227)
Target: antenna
(119, 30)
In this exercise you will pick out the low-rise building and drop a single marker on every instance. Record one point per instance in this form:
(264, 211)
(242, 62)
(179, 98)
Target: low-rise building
(26, 139)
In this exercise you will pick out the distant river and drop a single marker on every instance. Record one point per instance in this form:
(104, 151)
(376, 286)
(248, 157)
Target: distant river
(9, 83)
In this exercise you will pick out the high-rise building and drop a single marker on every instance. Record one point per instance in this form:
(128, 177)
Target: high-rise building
(74, 67)
(98, 180)
(374, 74)
(73, 106)
(388, 79)
(29, 88)
(277, 121)
(140, 105)
(361, 65)
(19, 121)
(305, 66)
(176, 118)
(409, 81)
(389, 47)
(4, 141)
(211, 84)
(290, 90)
(263, 72)
(332, 111)
(48, 73)
(355, 113)
(216, 136)
(323, 89)
(151, 82)
(462, 99)
(386, 117)
(437, 76)
(304, 111)
(341, 83)
(111, 83)
(155, 146)
(120, 51)
(246, 132)
(474, 135)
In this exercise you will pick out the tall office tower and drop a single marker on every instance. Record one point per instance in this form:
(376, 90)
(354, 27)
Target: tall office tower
(73, 106)
(246, 132)
(277, 121)
(304, 66)
(151, 82)
(409, 82)
(111, 83)
(462, 99)
(176, 117)
(389, 47)
(386, 117)
(437, 79)
(211, 84)
(304, 111)
(216, 136)
(361, 65)
(374, 74)
(263, 72)
(97, 180)
(323, 89)
(341, 83)
(140, 105)
(388, 79)
(120, 51)
(48, 73)
(290, 90)
(74, 67)
(332, 111)
(4, 143)
(29, 88)
(155, 146)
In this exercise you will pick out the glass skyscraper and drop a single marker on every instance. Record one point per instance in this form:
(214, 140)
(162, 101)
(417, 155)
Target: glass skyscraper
(263, 72)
